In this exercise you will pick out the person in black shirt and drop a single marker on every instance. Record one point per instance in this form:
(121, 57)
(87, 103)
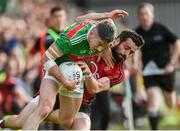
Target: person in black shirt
(158, 63)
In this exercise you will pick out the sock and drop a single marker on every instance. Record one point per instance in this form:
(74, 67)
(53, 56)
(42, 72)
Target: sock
(2, 124)
(154, 120)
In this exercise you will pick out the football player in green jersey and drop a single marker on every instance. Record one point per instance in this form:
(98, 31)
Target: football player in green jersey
(79, 42)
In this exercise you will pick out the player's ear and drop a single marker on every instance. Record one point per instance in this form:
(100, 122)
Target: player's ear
(115, 42)
(91, 32)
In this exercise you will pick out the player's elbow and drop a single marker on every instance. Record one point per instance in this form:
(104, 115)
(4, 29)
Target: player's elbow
(105, 84)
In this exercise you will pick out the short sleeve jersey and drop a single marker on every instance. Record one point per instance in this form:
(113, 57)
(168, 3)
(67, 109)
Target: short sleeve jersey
(157, 44)
(73, 42)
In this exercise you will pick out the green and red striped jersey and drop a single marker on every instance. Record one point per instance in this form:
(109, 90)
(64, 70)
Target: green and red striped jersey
(74, 39)
(73, 42)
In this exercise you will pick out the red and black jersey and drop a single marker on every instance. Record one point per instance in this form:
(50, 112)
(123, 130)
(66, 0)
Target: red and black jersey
(99, 70)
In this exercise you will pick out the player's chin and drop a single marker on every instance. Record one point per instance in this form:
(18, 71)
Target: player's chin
(124, 58)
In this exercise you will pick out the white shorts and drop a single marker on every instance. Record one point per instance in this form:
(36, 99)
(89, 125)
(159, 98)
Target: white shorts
(35, 100)
(76, 93)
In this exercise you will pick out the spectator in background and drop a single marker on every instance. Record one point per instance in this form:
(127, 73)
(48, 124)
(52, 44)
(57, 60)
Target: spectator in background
(55, 25)
(3, 59)
(158, 63)
(17, 35)
(9, 41)
(13, 96)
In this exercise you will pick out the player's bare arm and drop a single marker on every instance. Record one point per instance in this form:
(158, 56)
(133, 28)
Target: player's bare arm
(106, 15)
(93, 86)
(103, 85)
(49, 64)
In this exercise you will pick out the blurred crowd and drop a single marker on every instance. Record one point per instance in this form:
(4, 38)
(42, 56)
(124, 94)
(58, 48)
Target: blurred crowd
(21, 25)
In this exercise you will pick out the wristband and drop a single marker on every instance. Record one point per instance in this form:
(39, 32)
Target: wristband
(49, 64)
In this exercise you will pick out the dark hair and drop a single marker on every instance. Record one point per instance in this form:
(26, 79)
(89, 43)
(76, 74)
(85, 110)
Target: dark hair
(57, 8)
(106, 31)
(136, 38)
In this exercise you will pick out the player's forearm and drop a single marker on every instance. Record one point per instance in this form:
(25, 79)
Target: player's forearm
(91, 84)
(95, 86)
(55, 72)
(176, 52)
(99, 16)
(48, 60)
(93, 16)
(52, 68)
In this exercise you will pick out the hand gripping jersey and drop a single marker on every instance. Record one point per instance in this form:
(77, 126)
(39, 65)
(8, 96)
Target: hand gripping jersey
(99, 70)
(73, 42)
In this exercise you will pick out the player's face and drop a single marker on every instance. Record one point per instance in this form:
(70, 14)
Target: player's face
(146, 17)
(58, 19)
(96, 43)
(125, 49)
